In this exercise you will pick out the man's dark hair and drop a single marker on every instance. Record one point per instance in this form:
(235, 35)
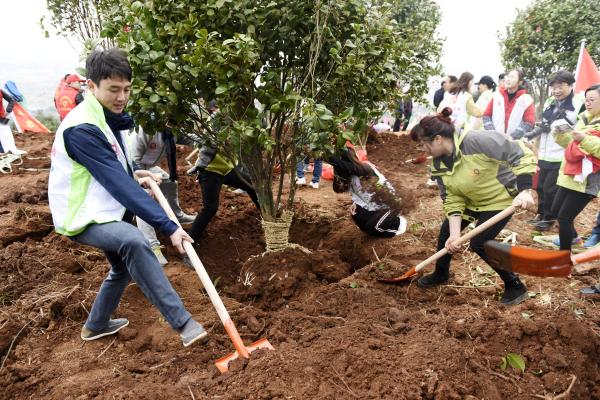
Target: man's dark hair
(104, 64)
(561, 76)
(452, 78)
(501, 76)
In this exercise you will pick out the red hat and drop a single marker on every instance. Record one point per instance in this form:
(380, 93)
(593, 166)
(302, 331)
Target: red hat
(74, 78)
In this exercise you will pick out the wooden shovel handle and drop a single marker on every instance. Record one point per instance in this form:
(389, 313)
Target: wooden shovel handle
(467, 236)
(586, 256)
(195, 260)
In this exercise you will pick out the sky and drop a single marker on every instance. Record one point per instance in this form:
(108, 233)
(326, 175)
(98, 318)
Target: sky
(470, 28)
(37, 63)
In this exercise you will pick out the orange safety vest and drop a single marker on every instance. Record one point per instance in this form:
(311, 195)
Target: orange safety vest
(65, 100)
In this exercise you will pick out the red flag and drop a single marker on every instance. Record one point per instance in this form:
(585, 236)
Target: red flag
(587, 72)
(25, 122)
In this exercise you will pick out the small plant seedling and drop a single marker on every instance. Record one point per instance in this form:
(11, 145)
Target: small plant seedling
(513, 360)
(353, 285)
(381, 266)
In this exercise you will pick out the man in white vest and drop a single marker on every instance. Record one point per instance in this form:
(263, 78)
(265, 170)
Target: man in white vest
(93, 196)
(564, 104)
(511, 110)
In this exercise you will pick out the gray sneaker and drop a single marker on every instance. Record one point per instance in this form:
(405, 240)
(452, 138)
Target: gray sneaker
(113, 326)
(191, 332)
(185, 219)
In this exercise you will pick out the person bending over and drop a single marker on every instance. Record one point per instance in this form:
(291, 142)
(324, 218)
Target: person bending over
(375, 208)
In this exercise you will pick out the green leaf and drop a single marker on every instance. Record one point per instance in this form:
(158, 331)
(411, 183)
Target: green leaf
(154, 98)
(516, 361)
(171, 65)
(353, 285)
(221, 89)
(176, 85)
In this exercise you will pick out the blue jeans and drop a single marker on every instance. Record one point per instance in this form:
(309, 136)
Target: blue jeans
(596, 230)
(130, 257)
(316, 172)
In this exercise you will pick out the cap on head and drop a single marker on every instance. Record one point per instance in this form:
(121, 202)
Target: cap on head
(487, 80)
(72, 78)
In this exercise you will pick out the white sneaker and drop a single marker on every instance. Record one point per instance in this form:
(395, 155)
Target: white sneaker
(314, 185)
(301, 181)
(431, 182)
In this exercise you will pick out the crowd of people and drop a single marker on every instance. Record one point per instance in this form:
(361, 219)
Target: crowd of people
(485, 149)
(477, 169)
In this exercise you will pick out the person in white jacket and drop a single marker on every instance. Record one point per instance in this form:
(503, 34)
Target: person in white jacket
(147, 152)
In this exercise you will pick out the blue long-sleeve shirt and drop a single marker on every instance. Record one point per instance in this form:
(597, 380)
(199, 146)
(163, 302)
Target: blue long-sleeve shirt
(87, 145)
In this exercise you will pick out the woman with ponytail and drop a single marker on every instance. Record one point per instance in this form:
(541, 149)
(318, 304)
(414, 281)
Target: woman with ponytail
(480, 173)
(460, 100)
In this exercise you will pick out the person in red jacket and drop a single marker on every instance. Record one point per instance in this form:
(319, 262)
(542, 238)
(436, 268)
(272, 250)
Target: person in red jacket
(68, 95)
(511, 110)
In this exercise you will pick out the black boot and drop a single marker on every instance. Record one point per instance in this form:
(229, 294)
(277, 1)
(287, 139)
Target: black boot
(543, 226)
(436, 278)
(515, 293)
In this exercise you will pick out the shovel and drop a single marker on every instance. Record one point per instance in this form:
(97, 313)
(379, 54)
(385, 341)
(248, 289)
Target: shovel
(463, 239)
(418, 160)
(240, 348)
(527, 261)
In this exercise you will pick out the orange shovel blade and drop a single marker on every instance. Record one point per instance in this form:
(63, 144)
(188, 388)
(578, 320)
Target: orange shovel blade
(400, 279)
(529, 261)
(223, 363)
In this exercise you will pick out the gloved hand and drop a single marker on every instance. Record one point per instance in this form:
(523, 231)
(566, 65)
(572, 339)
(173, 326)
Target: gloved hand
(195, 169)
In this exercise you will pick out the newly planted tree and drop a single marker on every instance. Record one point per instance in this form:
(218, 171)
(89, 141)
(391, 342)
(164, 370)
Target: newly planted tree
(286, 75)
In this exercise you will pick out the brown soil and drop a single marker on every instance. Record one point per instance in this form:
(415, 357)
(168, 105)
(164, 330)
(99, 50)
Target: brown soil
(337, 333)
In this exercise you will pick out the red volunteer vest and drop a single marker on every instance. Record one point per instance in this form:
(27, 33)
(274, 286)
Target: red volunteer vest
(65, 100)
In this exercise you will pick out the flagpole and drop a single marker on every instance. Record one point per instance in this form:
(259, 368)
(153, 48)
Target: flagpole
(579, 59)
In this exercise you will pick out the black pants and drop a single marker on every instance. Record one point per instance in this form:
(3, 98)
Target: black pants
(546, 190)
(211, 183)
(380, 223)
(443, 264)
(567, 205)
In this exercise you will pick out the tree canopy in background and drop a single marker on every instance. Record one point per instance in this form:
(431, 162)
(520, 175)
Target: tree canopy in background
(79, 19)
(546, 36)
(287, 74)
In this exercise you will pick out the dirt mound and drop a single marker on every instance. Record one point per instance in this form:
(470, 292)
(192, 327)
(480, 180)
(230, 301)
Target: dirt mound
(272, 280)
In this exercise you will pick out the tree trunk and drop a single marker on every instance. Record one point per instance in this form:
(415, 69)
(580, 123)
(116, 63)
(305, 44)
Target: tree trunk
(275, 227)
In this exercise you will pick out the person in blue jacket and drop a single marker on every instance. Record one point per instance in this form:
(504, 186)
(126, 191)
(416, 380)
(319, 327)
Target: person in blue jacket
(94, 195)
